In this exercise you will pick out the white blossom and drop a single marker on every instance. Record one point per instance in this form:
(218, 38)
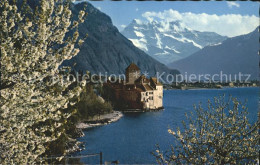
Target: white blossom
(220, 134)
(27, 52)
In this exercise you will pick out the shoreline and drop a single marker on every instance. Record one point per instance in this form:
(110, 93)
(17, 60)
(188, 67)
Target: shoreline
(224, 87)
(103, 120)
(142, 110)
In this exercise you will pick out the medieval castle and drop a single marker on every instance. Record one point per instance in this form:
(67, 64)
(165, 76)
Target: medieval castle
(137, 92)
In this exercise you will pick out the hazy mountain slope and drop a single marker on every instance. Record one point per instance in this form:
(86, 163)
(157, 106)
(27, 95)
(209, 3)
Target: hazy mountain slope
(168, 41)
(234, 55)
(107, 50)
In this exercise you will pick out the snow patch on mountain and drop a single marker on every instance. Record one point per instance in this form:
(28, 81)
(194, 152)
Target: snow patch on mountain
(159, 42)
(140, 44)
(178, 39)
(139, 34)
(164, 53)
(178, 29)
(176, 51)
(143, 40)
(184, 40)
(216, 44)
(194, 43)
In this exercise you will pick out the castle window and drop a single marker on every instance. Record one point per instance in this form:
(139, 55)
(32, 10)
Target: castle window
(150, 93)
(151, 98)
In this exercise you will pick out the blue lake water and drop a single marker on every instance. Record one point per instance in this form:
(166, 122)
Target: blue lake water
(131, 139)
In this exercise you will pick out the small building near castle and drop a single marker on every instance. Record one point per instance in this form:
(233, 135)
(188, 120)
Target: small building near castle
(137, 92)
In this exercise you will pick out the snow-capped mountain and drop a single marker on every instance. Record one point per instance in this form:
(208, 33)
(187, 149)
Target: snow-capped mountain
(106, 50)
(168, 41)
(234, 55)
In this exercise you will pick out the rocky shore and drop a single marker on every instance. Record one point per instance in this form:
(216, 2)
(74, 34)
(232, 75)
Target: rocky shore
(103, 120)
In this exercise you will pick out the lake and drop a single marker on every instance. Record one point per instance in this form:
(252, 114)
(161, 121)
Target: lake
(131, 139)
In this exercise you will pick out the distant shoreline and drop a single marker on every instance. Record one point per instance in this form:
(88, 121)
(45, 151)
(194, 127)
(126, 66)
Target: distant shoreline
(224, 87)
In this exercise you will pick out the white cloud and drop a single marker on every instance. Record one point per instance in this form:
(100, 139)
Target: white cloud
(228, 24)
(136, 9)
(123, 26)
(231, 4)
(99, 8)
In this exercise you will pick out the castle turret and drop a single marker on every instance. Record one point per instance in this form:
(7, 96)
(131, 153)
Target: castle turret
(132, 73)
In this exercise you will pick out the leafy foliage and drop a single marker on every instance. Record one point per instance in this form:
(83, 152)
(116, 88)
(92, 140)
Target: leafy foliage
(90, 104)
(221, 134)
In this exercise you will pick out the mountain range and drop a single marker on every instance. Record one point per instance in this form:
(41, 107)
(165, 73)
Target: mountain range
(168, 41)
(234, 55)
(107, 50)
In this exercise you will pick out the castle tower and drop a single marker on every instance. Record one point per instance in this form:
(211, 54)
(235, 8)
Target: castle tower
(132, 73)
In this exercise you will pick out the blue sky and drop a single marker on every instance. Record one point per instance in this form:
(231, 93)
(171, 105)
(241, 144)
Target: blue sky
(123, 12)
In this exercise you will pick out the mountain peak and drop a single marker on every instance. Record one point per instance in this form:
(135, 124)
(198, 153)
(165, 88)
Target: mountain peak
(137, 21)
(168, 41)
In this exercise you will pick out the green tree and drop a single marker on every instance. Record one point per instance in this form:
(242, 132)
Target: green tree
(91, 105)
(220, 134)
(34, 41)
